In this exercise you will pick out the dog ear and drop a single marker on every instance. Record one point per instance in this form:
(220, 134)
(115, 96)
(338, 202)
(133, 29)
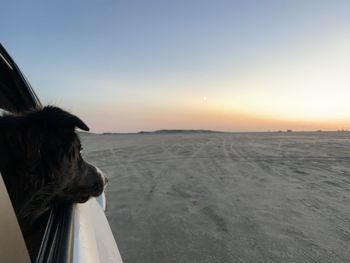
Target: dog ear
(76, 122)
(63, 119)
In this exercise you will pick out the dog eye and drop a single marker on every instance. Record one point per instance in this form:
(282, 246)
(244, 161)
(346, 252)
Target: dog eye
(81, 149)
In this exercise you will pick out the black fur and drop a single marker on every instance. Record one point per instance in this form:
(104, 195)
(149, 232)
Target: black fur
(41, 164)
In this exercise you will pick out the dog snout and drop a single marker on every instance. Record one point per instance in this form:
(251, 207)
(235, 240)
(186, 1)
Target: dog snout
(99, 180)
(101, 174)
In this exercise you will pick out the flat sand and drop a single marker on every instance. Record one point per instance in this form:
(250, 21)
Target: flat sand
(213, 197)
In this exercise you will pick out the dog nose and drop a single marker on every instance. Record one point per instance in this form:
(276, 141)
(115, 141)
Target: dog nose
(103, 177)
(99, 171)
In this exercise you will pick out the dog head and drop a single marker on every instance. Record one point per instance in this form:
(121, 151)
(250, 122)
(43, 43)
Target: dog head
(41, 161)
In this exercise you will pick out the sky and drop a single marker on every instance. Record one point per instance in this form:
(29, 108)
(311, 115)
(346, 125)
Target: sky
(127, 66)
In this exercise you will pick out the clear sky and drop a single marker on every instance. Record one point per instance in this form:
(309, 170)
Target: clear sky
(125, 66)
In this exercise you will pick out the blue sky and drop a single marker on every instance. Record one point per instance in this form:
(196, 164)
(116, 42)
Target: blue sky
(144, 65)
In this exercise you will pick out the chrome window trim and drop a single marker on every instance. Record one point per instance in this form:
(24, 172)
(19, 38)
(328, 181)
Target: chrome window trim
(57, 243)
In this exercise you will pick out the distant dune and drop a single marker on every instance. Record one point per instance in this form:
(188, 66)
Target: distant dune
(165, 131)
(179, 131)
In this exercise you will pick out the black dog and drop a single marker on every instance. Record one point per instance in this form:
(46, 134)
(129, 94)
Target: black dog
(41, 164)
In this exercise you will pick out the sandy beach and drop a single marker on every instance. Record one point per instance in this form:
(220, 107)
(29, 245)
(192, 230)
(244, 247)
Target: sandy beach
(227, 197)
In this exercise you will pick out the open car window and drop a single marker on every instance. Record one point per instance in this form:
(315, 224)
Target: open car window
(61, 236)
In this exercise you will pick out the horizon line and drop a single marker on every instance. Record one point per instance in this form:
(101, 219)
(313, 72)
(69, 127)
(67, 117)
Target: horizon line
(167, 131)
